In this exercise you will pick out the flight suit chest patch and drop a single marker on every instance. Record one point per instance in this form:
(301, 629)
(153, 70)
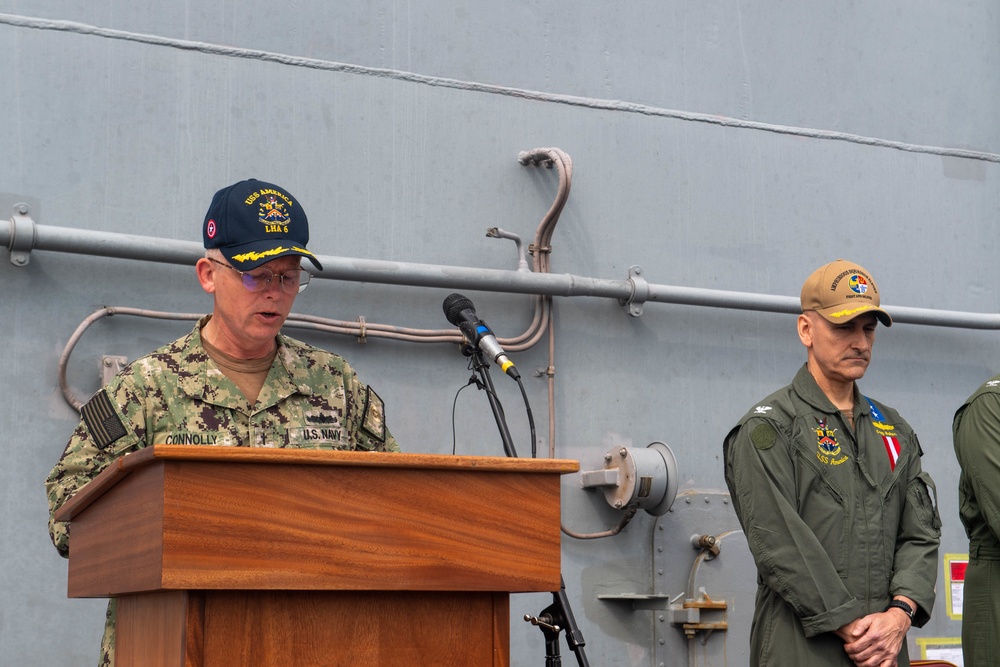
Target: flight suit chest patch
(887, 432)
(828, 450)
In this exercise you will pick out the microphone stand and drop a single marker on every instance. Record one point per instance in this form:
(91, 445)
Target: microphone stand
(553, 619)
(558, 615)
(481, 366)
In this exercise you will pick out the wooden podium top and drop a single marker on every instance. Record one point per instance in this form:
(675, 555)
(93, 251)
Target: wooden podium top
(178, 517)
(126, 464)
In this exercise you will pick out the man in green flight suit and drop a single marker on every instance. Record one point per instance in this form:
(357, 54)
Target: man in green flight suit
(827, 484)
(976, 431)
(235, 380)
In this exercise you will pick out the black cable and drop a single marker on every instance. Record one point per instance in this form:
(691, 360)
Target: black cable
(531, 419)
(454, 405)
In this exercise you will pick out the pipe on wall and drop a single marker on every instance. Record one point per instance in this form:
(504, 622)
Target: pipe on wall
(147, 248)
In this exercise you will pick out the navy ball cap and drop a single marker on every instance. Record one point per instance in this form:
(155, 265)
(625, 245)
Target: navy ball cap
(253, 222)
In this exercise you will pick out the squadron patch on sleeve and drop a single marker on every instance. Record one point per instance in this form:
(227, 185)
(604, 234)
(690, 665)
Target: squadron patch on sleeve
(102, 420)
(763, 436)
(374, 416)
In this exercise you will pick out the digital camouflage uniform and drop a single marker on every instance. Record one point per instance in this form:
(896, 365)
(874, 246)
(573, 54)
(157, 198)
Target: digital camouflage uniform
(311, 399)
(976, 432)
(834, 528)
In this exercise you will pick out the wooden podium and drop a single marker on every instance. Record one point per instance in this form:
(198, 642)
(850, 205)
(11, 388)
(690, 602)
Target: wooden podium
(224, 556)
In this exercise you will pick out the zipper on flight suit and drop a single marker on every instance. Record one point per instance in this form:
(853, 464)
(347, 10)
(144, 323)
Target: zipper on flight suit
(862, 477)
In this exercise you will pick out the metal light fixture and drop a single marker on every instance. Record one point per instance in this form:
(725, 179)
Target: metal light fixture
(637, 477)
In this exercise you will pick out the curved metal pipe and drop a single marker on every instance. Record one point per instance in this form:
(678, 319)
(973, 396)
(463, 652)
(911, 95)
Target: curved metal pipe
(294, 320)
(629, 513)
(22, 239)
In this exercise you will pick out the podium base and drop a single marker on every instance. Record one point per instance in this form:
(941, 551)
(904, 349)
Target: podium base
(312, 628)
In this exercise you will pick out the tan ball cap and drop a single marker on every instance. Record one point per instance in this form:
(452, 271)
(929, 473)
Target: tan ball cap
(840, 291)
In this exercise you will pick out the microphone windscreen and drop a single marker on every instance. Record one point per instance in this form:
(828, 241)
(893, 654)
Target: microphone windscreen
(453, 306)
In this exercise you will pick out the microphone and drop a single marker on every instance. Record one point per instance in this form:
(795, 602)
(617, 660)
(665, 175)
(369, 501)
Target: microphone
(462, 314)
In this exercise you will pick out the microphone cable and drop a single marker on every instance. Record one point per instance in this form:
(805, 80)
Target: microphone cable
(531, 417)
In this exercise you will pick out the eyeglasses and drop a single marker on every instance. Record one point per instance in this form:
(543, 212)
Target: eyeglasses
(291, 282)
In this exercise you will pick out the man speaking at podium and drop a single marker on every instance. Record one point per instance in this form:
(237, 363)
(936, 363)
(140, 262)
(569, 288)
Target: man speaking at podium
(235, 380)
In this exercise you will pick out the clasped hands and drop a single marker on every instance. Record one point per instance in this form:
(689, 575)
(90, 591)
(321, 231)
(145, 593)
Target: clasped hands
(876, 639)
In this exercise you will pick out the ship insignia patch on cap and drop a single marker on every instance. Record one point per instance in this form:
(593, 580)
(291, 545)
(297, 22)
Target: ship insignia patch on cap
(858, 284)
(273, 211)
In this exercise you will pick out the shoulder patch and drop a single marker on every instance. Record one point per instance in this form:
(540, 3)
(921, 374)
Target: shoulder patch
(763, 436)
(102, 420)
(374, 416)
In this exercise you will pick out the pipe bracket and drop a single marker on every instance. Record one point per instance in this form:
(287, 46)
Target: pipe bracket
(640, 292)
(22, 235)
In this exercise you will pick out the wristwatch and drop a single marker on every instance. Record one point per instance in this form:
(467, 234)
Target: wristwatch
(899, 604)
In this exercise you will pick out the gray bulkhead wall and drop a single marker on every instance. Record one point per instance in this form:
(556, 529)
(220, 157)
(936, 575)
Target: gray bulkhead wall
(731, 146)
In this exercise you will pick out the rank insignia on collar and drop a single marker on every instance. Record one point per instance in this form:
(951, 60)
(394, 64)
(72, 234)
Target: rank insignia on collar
(827, 448)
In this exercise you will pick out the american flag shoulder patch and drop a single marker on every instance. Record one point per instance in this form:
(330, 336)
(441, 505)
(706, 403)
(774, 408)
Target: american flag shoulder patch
(102, 420)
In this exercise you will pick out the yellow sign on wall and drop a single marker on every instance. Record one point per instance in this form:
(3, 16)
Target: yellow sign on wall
(948, 649)
(954, 583)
